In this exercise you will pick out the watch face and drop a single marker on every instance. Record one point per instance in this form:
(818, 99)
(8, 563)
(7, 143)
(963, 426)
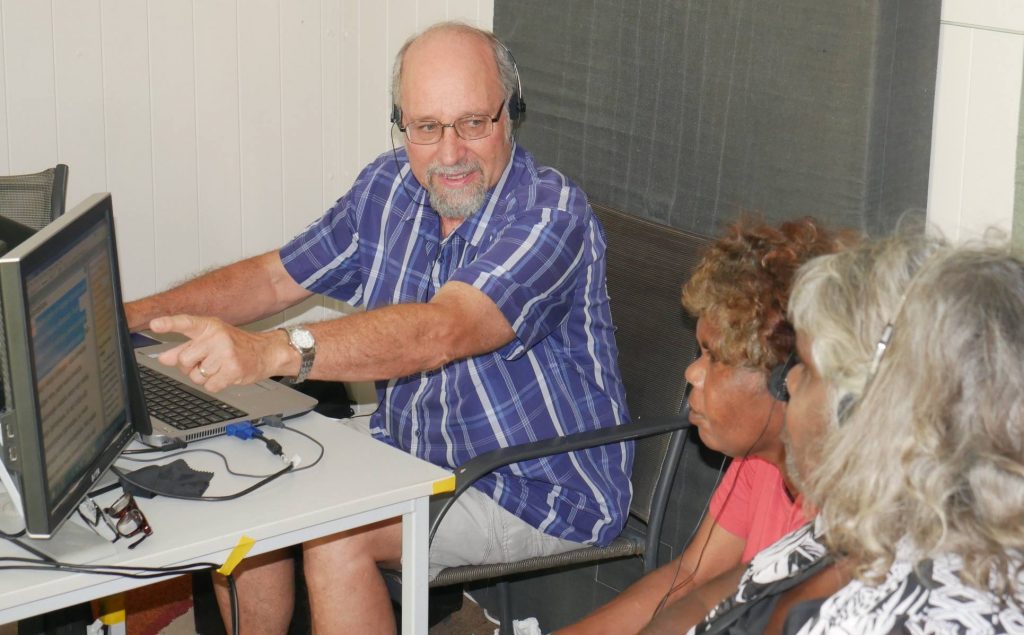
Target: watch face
(301, 338)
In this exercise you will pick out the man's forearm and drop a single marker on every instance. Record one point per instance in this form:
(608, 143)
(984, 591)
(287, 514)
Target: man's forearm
(238, 293)
(403, 339)
(387, 342)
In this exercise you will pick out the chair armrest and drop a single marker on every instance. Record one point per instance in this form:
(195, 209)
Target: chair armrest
(473, 470)
(482, 465)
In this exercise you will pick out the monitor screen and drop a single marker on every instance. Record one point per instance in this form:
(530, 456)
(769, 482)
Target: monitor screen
(71, 405)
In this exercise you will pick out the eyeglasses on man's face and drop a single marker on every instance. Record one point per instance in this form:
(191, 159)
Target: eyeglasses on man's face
(123, 519)
(427, 132)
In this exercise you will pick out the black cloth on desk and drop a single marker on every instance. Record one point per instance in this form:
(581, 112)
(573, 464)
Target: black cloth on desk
(176, 478)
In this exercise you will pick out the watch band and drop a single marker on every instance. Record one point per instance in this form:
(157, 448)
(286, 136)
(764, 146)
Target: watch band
(303, 342)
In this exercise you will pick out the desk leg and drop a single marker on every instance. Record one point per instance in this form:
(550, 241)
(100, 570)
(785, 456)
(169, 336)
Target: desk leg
(415, 571)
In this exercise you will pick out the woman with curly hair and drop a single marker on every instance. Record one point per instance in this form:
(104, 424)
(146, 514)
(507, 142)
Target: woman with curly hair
(738, 293)
(904, 429)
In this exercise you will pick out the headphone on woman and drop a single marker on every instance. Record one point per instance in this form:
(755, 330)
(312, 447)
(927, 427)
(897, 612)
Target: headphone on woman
(777, 378)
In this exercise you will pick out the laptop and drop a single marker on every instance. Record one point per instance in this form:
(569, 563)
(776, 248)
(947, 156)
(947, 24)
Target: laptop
(180, 409)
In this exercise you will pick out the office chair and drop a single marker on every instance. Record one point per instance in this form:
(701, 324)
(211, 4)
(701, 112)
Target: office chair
(34, 199)
(647, 264)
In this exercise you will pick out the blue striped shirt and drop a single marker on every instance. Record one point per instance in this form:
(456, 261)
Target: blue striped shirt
(537, 250)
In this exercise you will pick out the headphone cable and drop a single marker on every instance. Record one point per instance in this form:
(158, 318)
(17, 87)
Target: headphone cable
(673, 587)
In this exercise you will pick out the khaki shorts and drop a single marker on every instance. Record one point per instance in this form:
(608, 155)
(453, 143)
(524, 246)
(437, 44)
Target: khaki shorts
(477, 530)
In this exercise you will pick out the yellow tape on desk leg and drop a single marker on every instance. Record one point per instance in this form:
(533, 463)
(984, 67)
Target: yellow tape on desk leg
(111, 609)
(245, 543)
(444, 485)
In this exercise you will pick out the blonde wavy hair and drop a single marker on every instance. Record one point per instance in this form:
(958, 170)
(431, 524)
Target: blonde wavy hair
(932, 452)
(743, 281)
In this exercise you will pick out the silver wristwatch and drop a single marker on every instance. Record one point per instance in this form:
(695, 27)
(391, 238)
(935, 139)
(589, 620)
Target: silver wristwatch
(302, 341)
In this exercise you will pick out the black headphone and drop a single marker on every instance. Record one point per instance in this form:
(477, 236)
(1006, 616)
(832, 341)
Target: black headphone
(516, 103)
(777, 378)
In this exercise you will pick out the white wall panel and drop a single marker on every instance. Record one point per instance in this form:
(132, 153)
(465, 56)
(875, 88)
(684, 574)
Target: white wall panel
(428, 13)
(31, 98)
(977, 113)
(382, 29)
(302, 115)
(995, 14)
(331, 43)
(259, 62)
(5, 146)
(173, 103)
(218, 155)
(946, 183)
(465, 10)
(221, 127)
(78, 69)
(990, 147)
(128, 138)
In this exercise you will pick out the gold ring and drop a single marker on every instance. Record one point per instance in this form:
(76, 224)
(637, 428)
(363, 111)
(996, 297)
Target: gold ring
(202, 371)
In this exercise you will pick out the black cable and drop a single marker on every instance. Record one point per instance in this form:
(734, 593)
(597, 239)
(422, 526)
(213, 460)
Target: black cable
(233, 595)
(673, 587)
(171, 445)
(32, 550)
(9, 536)
(49, 564)
(317, 443)
(227, 497)
(221, 456)
(224, 459)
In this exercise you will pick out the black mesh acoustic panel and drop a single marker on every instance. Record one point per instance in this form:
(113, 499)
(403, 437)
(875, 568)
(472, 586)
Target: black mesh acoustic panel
(690, 112)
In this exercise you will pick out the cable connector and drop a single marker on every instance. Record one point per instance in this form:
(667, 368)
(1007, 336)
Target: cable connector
(245, 430)
(273, 446)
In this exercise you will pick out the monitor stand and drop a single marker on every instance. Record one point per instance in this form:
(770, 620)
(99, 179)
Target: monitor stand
(73, 543)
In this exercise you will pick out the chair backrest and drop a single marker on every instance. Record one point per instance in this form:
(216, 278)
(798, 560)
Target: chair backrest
(647, 264)
(34, 199)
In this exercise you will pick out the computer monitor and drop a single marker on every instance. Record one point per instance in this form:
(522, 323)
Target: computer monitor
(68, 368)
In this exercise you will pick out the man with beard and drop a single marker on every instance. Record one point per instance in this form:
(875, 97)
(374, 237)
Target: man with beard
(487, 325)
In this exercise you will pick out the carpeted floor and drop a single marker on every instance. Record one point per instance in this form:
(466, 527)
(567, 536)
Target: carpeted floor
(152, 608)
(469, 620)
(165, 608)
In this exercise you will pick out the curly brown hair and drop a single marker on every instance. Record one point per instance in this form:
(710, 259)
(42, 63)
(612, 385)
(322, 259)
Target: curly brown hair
(742, 285)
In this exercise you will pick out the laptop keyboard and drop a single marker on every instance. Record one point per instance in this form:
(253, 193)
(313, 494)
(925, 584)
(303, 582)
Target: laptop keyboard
(181, 406)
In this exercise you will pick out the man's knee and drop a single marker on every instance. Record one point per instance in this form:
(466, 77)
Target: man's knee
(378, 544)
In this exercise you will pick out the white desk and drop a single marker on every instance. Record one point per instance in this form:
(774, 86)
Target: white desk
(358, 482)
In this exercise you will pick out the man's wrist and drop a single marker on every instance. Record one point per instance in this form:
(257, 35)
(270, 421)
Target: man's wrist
(303, 344)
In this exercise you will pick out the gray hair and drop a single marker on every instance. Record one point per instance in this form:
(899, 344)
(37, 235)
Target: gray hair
(507, 74)
(932, 449)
